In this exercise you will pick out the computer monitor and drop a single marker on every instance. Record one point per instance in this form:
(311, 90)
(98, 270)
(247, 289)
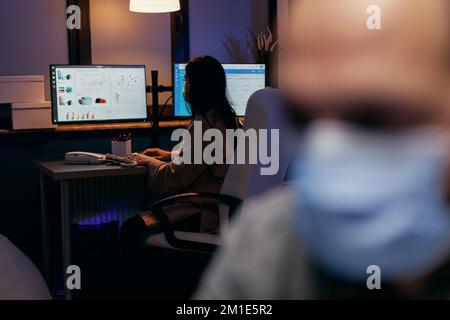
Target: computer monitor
(98, 93)
(242, 81)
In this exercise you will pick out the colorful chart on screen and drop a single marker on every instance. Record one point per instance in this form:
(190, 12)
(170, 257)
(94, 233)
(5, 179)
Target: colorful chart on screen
(98, 93)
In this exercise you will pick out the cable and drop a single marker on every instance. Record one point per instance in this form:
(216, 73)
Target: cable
(164, 106)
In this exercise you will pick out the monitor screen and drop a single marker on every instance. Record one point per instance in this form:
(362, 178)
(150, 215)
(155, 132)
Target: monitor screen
(98, 93)
(242, 81)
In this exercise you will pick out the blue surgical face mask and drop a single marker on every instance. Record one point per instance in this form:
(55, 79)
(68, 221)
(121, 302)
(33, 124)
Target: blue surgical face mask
(373, 198)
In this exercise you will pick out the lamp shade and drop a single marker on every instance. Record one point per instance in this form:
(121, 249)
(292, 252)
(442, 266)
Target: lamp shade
(154, 6)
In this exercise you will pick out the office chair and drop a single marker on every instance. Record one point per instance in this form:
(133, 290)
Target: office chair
(242, 182)
(170, 258)
(19, 278)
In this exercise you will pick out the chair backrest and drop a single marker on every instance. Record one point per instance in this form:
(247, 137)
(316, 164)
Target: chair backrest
(19, 278)
(264, 112)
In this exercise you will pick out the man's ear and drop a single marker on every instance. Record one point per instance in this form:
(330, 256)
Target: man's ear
(447, 185)
(447, 99)
(446, 106)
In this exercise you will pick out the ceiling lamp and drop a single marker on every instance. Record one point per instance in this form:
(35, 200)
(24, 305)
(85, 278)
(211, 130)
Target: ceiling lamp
(154, 6)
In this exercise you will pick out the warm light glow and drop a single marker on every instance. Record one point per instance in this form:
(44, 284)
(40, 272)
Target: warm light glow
(154, 6)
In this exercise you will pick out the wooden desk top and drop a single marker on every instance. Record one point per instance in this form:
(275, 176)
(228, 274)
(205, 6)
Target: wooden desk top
(171, 124)
(164, 124)
(58, 170)
(120, 126)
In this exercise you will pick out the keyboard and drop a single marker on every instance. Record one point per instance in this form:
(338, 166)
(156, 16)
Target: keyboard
(119, 161)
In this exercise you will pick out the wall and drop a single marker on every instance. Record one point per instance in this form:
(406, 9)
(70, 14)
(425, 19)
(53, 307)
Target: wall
(33, 35)
(283, 26)
(211, 20)
(123, 37)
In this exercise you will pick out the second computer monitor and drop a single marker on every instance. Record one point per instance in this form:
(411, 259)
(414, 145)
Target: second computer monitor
(242, 81)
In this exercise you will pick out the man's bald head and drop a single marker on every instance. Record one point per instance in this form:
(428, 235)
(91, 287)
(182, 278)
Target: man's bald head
(331, 52)
(414, 18)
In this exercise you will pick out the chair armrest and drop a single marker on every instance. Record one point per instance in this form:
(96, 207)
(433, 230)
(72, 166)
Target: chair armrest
(168, 229)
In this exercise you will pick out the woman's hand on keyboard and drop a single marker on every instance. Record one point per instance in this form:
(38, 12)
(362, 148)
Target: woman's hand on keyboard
(143, 160)
(158, 154)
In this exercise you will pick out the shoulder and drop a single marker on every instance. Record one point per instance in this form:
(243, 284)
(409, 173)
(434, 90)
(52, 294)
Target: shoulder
(5, 244)
(272, 209)
(262, 257)
(265, 223)
(209, 121)
(19, 278)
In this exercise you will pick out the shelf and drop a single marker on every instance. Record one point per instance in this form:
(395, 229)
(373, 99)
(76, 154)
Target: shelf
(102, 127)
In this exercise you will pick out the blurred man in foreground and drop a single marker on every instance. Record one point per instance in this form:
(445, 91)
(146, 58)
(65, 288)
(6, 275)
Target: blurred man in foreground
(373, 170)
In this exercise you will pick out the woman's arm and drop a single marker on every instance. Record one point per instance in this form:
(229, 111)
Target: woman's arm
(169, 177)
(159, 154)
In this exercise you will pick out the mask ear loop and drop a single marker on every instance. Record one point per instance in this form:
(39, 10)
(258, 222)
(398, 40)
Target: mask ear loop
(446, 182)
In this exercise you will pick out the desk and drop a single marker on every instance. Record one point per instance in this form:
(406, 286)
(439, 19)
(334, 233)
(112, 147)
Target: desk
(64, 175)
(168, 124)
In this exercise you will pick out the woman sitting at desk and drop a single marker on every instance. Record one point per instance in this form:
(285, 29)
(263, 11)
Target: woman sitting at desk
(206, 93)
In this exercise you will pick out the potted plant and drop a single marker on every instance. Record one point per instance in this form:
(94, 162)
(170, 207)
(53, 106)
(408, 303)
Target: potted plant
(260, 48)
